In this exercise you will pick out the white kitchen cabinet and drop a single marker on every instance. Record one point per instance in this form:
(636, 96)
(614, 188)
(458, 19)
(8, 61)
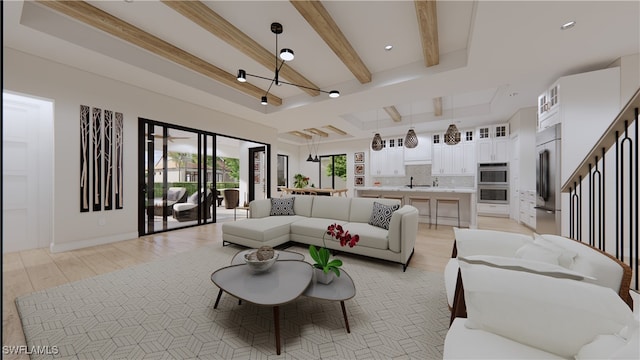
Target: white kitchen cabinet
(390, 160)
(421, 154)
(497, 210)
(493, 143)
(548, 105)
(527, 208)
(459, 159)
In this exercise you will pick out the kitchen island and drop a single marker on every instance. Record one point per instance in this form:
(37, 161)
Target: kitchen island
(446, 213)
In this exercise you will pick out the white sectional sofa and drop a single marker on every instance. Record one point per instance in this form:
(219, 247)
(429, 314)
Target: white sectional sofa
(311, 215)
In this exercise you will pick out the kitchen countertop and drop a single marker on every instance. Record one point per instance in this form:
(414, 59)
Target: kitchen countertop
(432, 189)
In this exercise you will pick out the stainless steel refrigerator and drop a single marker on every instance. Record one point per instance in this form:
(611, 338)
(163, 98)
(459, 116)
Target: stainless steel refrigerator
(548, 181)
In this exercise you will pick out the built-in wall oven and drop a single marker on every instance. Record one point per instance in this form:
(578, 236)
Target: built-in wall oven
(493, 183)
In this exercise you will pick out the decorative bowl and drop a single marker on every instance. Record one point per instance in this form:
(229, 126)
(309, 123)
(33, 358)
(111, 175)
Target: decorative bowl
(258, 266)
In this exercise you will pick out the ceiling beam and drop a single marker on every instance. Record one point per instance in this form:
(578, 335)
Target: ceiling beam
(437, 106)
(335, 129)
(300, 134)
(317, 132)
(211, 21)
(320, 20)
(108, 23)
(428, 23)
(393, 112)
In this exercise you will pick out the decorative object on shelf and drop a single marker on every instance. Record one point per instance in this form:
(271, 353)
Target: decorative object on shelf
(411, 140)
(300, 181)
(358, 181)
(358, 157)
(285, 55)
(323, 265)
(452, 136)
(376, 143)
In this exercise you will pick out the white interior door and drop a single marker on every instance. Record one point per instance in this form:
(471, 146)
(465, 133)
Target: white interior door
(27, 172)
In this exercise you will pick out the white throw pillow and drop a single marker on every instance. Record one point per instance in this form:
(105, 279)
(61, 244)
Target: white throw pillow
(623, 345)
(555, 315)
(537, 252)
(566, 257)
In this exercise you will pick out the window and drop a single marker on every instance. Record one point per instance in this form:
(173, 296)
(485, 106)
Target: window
(333, 171)
(283, 171)
(436, 139)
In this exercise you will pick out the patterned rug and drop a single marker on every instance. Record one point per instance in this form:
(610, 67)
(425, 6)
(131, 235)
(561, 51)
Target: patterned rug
(164, 310)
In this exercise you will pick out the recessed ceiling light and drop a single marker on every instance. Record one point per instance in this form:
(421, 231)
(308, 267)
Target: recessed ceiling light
(568, 25)
(388, 47)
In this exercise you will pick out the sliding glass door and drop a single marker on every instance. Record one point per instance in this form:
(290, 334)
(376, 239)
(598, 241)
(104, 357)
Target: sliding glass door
(333, 171)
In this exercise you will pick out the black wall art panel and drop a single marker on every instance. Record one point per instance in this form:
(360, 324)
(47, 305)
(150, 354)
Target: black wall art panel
(97, 158)
(84, 158)
(108, 166)
(101, 159)
(118, 150)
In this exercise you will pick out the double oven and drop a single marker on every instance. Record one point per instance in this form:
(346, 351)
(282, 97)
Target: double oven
(493, 183)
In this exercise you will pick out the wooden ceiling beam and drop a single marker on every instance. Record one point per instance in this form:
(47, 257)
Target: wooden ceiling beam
(317, 132)
(300, 134)
(211, 21)
(335, 129)
(108, 23)
(437, 106)
(393, 112)
(322, 22)
(428, 24)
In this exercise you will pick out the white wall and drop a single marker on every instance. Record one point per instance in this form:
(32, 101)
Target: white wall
(69, 88)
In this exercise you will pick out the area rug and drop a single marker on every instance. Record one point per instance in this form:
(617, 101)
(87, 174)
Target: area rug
(164, 310)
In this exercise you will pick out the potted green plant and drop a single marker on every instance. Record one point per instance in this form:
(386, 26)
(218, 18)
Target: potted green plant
(326, 268)
(300, 181)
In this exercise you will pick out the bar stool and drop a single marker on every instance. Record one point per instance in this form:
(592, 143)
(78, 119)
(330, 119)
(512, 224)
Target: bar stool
(394, 197)
(427, 201)
(451, 202)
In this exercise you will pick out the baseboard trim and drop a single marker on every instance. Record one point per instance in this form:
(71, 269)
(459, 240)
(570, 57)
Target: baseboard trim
(56, 248)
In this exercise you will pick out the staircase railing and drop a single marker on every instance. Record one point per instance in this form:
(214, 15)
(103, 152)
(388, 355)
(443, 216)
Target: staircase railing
(590, 182)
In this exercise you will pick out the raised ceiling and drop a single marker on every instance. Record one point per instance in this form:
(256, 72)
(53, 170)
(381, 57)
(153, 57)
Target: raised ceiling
(493, 57)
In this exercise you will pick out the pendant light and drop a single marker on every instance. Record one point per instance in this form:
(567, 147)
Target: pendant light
(316, 159)
(376, 143)
(309, 147)
(452, 136)
(411, 140)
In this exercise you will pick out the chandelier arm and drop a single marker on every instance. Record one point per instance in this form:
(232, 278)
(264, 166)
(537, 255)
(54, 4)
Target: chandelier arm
(305, 87)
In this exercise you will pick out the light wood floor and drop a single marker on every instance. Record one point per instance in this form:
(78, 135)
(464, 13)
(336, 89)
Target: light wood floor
(32, 270)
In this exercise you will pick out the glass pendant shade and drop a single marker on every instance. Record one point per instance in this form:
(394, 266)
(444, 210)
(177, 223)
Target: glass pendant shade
(452, 136)
(411, 140)
(376, 143)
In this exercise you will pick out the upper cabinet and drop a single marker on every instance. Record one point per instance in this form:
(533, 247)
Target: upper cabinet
(548, 105)
(493, 143)
(390, 160)
(420, 154)
(459, 159)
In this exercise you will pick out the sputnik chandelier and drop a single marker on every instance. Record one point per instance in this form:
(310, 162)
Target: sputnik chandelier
(285, 55)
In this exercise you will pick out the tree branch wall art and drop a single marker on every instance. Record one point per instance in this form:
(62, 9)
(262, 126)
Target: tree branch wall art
(101, 159)
(84, 158)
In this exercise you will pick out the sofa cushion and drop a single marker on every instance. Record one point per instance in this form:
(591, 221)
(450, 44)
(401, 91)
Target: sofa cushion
(313, 227)
(566, 257)
(450, 279)
(464, 343)
(370, 236)
(330, 207)
(282, 206)
(303, 204)
(555, 315)
(381, 214)
(516, 264)
(488, 242)
(260, 229)
(535, 252)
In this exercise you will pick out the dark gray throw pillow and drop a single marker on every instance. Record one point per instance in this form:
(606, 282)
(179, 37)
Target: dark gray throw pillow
(282, 206)
(381, 214)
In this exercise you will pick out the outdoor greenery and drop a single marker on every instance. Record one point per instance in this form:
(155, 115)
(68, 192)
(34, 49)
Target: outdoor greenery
(338, 168)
